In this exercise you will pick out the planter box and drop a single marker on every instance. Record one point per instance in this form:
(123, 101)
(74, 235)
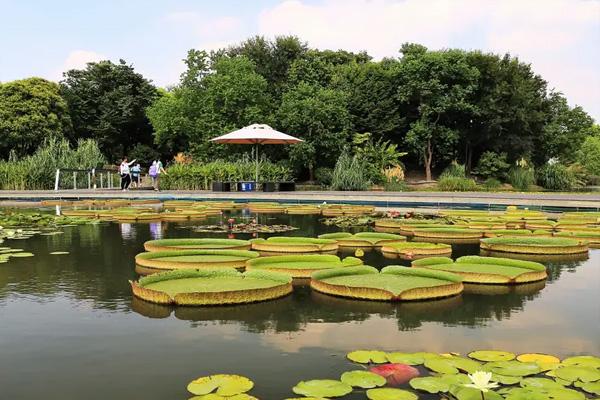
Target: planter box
(269, 186)
(287, 186)
(221, 187)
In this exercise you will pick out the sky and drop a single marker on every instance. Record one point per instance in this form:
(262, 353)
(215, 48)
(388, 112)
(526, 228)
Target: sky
(559, 38)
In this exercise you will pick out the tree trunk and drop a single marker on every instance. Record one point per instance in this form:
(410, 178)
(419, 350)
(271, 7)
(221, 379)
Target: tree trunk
(468, 158)
(311, 172)
(428, 158)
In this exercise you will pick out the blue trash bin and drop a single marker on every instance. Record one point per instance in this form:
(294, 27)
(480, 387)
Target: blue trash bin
(246, 186)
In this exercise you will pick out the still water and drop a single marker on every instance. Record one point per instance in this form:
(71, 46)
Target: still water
(70, 329)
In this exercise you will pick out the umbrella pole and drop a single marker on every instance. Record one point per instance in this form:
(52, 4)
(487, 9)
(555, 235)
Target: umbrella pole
(256, 172)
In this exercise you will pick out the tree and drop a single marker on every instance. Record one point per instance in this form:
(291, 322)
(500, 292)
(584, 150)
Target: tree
(320, 117)
(434, 85)
(107, 102)
(31, 111)
(589, 155)
(565, 131)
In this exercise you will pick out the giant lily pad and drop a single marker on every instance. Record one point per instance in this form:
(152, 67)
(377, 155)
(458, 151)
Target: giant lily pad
(363, 239)
(396, 374)
(322, 388)
(300, 265)
(491, 355)
(367, 356)
(390, 394)
(363, 379)
(220, 384)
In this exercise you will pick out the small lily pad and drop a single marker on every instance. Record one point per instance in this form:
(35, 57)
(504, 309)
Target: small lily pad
(590, 387)
(322, 388)
(367, 356)
(505, 379)
(23, 254)
(220, 384)
(492, 355)
(58, 253)
(213, 396)
(541, 383)
(584, 374)
(512, 368)
(538, 358)
(466, 393)
(405, 358)
(390, 394)
(582, 361)
(430, 384)
(363, 379)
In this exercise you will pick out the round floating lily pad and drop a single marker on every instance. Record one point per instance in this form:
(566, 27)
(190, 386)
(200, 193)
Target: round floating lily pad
(466, 393)
(322, 388)
(301, 265)
(390, 394)
(491, 355)
(157, 261)
(582, 361)
(23, 254)
(590, 387)
(540, 382)
(512, 368)
(534, 245)
(294, 244)
(430, 384)
(367, 356)
(452, 365)
(363, 379)
(58, 253)
(584, 374)
(363, 239)
(405, 358)
(538, 393)
(396, 374)
(213, 396)
(196, 243)
(505, 380)
(538, 358)
(220, 384)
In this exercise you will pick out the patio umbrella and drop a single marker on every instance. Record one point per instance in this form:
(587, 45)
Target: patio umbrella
(256, 134)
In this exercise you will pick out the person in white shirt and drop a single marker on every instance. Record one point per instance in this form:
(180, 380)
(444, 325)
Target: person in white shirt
(125, 173)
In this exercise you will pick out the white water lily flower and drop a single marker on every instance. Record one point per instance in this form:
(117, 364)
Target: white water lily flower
(481, 381)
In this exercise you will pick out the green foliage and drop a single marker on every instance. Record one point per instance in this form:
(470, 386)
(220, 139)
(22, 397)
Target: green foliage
(377, 155)
(491, 184)
(454, 170)
(31, 111)
(492, 165)
(395, 185)
(556, 176)
(349, 174)
(323, 176)
(456, 184)
(144, 154)
(37, 171)
(199, 176)
(589, 155)
(107, 103)
(521, 178)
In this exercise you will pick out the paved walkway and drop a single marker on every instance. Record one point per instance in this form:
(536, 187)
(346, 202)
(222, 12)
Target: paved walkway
(548, 201)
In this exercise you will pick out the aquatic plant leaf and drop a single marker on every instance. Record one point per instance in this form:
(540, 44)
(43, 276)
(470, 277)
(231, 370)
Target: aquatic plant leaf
(541, 383)
(466, 393)
(505, 380)
(23, 254)
(221, 384)
(322, 388)
(455, 379)
(584, 374)
(441, 365)
(390, 394)
(58, 253)
(405, 358)
(491, 355)
(582, 361)
(590, 387)
(214, 396)
(396, 374)
(363, 379)
(430, 384)
(538, 358)
(512, 368)
(538, 393)
(367, 356)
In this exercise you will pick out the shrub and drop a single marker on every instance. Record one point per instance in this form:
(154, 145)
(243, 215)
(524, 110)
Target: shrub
(349, 174)
(521, 178)
(323, 175)
(492, 165)
(456, 184)
(492, 184)
(395, 185)
(454, 170)
(589, 155)
(556, 176)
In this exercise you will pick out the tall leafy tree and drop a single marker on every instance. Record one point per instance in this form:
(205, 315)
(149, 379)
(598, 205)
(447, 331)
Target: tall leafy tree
(107, 102)
(320, 117)
(434, 85)
(31, 110)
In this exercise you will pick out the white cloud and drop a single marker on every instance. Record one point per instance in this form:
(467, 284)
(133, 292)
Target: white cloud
(558, 37)
(77, 59)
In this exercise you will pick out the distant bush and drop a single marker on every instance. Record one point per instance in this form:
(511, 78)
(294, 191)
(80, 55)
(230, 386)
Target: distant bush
(456, 184)
(492, 165)
(556, 177)
(521, 178)
(395, 185)
(492, 184)
(589, 155)
(349, 174)
(323, 175)
(454, 170)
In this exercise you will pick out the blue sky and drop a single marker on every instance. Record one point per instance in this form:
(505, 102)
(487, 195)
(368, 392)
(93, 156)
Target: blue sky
(560, 38)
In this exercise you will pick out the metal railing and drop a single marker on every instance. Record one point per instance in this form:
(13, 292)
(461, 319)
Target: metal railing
(95, 178)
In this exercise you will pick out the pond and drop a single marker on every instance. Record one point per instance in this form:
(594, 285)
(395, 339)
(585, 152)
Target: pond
(69, 327)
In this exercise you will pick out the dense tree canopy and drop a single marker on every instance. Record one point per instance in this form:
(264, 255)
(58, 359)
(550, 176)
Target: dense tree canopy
(31, 110)
(107, 102)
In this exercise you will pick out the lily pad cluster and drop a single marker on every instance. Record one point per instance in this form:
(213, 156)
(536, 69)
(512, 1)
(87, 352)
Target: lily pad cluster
(221, 386)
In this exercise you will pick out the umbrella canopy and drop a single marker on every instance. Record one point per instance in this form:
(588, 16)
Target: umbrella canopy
(256, 134)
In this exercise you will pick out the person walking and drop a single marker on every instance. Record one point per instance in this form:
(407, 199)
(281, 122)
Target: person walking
(135, 175)
(155, 170)
(125, 173)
